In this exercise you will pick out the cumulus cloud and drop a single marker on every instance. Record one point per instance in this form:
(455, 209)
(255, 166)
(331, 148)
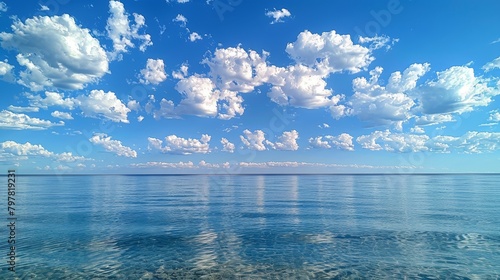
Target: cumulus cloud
(194, 36)
(6, 71)
(113, 146)
(62, 115)
(18, 109)
(304, 87)
(378, 42)
(433, 119)
(317, 56)
(178, 145)
(97, 104)
(329, 51)
(343, 142)
(28, 149)
(494, 116)
(183, 72)
(3, 7)
(122, 33)
(456, 89)
(134, 105)
(295, 164)
(181, 19)
(160, 164)
(417, 129)
(227, 146)
(470, 142)
(51, 99)
(43, 8)
(278, 15)
(287, 141)
(154, 73)
(10, 120)
(254, 141)
(200, 97)
(237, 70)
(492, 65)
(65, 55)
(393, 142)
(385, 105)
(103, 104)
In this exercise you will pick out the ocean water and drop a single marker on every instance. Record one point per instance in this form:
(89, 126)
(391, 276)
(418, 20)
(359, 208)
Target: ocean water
(257, 227)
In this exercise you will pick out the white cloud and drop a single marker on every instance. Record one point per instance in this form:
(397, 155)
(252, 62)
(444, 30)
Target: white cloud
(122, 33)
(456, 89)
(103, 104)
(329, 51)
(28, 149)
(17, 109)
(140, 118)
(182, 19)
(343, 142)
(154, 73)
(51, 99)
(324, 125)
(96, 104)
(494, 116)
(200, 99)
(227, 146)
(62, 115)
(238, 70)
(417, 130)
(178, 1)
(178, 145)
(317, 56)
(278, 15)
(297, 164)
(3, 7)
(10, 120)
(287, 141)
(385, 105)
(6, 71)
(43, 8)
(393, 142)
(470, 142)
(255, 140)
(492, 65)
(65, 55)
(304, 87)
(113, 146)
(433, 119)
(378, 42)
(183, 72)
(152, 164)
(134, 105)
(194, 36)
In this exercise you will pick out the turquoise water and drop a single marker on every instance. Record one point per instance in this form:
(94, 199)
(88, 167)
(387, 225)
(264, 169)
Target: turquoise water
(257, 227)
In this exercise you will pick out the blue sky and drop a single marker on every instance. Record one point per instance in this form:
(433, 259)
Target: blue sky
(244, 86)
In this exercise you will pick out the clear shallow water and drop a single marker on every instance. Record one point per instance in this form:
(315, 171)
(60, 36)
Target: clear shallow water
(258, 227)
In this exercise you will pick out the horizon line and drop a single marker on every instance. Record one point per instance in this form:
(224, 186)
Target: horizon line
(249, 174)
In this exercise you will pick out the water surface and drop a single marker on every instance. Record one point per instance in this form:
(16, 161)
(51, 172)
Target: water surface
(258, 227)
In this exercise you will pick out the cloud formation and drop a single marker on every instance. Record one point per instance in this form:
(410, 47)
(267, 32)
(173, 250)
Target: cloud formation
(64, 56)
(179, 145)
(113, 146)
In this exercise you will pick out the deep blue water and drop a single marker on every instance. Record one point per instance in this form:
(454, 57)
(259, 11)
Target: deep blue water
(257, 227)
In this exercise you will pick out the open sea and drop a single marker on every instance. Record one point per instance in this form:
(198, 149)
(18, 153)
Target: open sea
(255, 227)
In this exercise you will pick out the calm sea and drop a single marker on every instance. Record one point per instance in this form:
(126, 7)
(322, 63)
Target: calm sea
(256, 227)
